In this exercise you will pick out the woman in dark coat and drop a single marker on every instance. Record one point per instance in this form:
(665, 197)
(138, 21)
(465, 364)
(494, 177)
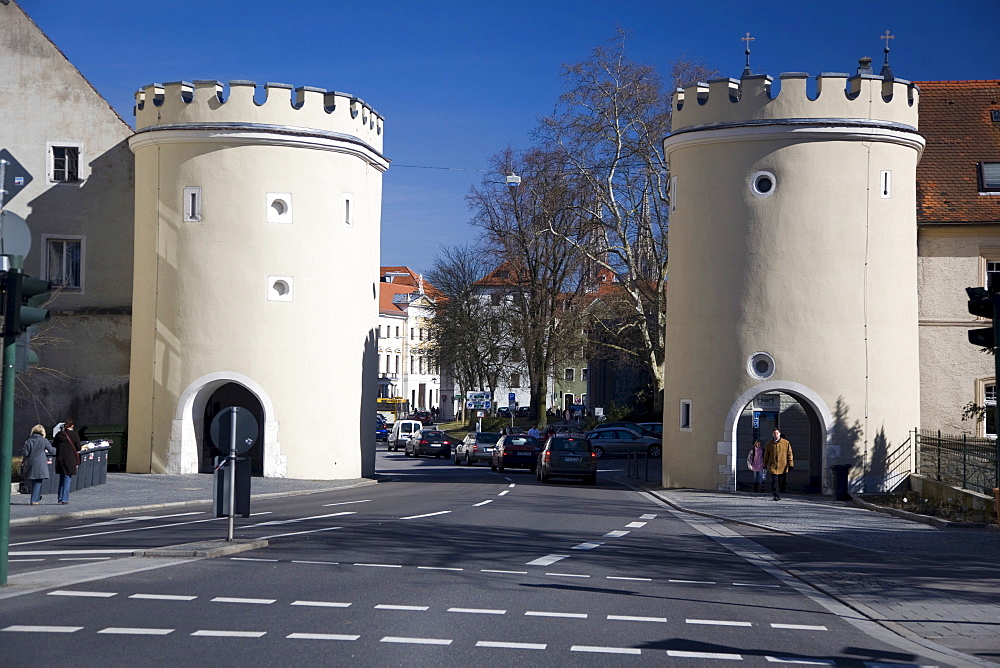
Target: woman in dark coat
(67, 444)
(36, 469)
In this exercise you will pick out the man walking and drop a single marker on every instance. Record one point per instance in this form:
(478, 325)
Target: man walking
(779, 460)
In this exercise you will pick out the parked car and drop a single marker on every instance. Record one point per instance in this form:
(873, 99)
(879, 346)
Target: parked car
(503, 411)
(619, 440)
(476, 447)
(654, 427)
(522, 411)
(401, 432)
(634, 426)
(381, 430)
(567, 457)
(428, 442)
(515, 451)
(424, 417)
(513, 430)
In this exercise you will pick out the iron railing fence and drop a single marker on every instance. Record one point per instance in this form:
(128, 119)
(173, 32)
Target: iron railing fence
(960, 460)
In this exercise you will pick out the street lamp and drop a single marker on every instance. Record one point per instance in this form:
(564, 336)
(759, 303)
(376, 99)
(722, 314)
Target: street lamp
(513, 180)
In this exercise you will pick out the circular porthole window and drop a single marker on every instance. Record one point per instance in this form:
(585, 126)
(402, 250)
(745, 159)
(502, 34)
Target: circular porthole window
(279, 207)
(760, 366)
(762, 184)
(279, 288)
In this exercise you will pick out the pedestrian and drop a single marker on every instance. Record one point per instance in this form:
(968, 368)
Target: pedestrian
(35, 467)
(534, 431)
(779, 461)
(755, 462)
(67, 445)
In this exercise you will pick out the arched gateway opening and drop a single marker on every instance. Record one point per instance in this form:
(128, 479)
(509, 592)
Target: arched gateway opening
(232, 394)
(801, 416)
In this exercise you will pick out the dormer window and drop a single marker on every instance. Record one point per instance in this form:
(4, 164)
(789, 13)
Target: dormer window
(989, 177)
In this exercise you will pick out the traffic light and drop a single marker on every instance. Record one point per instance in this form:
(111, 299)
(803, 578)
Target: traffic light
(24, 356)
(984, 303)
(23, 299)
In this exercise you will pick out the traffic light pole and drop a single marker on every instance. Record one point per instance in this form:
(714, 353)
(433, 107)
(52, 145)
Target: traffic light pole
(6, 449)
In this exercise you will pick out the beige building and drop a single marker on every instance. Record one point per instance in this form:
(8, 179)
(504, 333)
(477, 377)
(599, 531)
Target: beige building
(790, 216)
(70, 178)
(406, 367)
(256, 276)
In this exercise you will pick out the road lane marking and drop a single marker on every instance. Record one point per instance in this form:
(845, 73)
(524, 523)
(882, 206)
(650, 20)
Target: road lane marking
(250, 559)
(605, 650)
(24, 628)
(321, 636)
(754, 584)
(571, 615)
(381, 565)
(489, 570)
(635, 525)
(510, 645)
(129, 520)
(55, 553)
(90, 594)
(511, 484)
(299, 533)
(503, 493)
(567, 575)
(324, 563)
(229, 634)
(626, 618)
(84, 558)
(799, 627)
(417, 641)
(322, 604)
(344, 503)
(717, 622)
(621, 577)
(229, 599)
(482, 503)
(20, 560)
(693, 582)
(478, 611)
(411, 608)
(703, 655)
(616, 534)
(132, 631)
(163, 597)
(808, 662)
(508, 479)
(107, 533)
(300, 519)
(648, 517)
(547, 560)
(586, 546)
(417, 517)
(438, 568)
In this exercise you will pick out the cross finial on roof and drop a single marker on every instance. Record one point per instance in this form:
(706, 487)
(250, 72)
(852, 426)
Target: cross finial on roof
(747, 39)
(886, 71)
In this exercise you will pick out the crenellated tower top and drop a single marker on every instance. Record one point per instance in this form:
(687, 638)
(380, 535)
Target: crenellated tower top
(863, 98)
(206, 103)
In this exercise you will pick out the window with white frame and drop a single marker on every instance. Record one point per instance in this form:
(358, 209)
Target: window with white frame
(64, 162)
(992, 270)
(989, 177)
(64, 262)
(583, 375)
(990, 402)
(685, 415)
(570, 375)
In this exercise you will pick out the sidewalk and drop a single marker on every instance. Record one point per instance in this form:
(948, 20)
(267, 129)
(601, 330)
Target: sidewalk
(127, 492)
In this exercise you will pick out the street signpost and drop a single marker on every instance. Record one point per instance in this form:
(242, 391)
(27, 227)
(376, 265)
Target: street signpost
(238, 427)
(479, 402)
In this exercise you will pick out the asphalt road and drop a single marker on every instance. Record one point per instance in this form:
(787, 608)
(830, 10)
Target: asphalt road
(436, 565)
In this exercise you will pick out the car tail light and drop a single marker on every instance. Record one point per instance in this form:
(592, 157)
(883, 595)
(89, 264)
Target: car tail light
(545, 458)
(475, 448)
(593, 455)
(424, 442)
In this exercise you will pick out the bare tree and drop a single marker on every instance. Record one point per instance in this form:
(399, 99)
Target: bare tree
(608, 129)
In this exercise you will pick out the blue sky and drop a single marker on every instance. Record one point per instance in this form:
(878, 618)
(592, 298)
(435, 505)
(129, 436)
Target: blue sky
(460, 80)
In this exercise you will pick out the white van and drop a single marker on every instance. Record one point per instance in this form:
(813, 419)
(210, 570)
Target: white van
(402, 430)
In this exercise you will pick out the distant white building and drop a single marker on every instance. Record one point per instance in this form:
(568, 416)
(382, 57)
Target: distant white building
(405, 366)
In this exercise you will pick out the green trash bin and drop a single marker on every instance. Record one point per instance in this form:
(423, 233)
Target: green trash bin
(116, 435)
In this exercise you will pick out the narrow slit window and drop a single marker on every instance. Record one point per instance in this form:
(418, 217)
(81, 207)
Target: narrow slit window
(685, 415)
(192, 205)
(885, 184)
(348, 210)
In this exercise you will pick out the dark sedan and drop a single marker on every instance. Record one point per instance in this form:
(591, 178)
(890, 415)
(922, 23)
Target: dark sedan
(515, 451)
(569, 457)
(428, 442)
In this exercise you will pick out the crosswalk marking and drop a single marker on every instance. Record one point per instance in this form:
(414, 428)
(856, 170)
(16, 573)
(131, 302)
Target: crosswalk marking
(132, 631)
(25, 628)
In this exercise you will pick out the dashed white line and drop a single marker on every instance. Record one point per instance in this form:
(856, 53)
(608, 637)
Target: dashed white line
(626, 618)
(344, 503)
(301, 519)
(508, 479)
(482, 503)
(250, 559)
(605, 650)
(324, 563)
(622, 577)
(693, 582)
(228, 634)
(510, 645)
(489, 570)
(754, 584)
(635, 525)
(567, 575)
(438, 568)
(571, 615)
(616, 534)
(648, 517)
(24, 628)
(88, 594)
(417, 641)
(411, 608)
(322, 604)
(20, 560)
(703, 655)
(503, 493)
(417, 517)
(163, 597)
(717, 622)
(586, 546)
(256, 601)
(321, 636)
(547, 560)
(511, 484)
(56, 553)
(84, 558)
(799, 627)
(808, 662)
(132, 631)
(478, 611)
(381, 565)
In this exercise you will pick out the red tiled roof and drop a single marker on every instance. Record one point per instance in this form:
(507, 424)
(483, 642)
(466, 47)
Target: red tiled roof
(955, 120)
(400, 285)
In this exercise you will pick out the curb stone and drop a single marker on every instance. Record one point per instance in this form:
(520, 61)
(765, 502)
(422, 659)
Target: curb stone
(916, 517)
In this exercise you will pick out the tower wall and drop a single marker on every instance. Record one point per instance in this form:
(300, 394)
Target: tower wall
(819, 272)
(266, 278)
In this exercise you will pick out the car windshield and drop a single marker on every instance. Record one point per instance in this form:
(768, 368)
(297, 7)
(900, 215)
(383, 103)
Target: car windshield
(521, 440)
(570, 444)
(488, 438)
(432, 434)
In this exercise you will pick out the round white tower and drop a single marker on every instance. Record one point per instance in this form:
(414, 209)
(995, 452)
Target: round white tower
(256, 271)
(792, 272)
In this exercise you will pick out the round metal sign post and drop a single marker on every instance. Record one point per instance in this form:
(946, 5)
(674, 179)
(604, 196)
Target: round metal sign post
(242, 428)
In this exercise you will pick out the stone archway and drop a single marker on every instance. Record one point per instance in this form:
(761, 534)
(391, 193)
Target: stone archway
(818, 425)
(188, 425)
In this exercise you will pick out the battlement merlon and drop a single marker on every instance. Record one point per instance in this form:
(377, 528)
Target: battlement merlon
(838, 96)
(205, 101)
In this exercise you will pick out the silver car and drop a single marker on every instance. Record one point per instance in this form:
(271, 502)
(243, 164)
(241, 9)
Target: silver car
(477, 446)
(619, 440)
